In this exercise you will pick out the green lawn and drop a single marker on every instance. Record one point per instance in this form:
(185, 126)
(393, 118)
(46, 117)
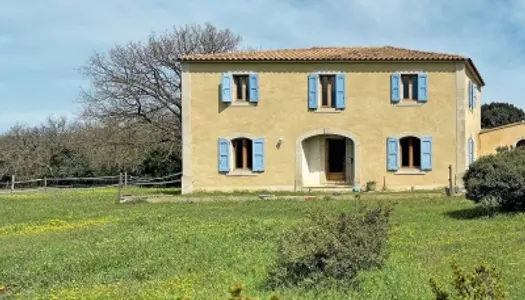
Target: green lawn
(80, 245)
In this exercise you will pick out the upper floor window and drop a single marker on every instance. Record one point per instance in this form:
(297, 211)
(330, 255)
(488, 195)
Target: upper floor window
(472, 95)
(327, 90)
(241, 88)
(410, 86)
(409, 83)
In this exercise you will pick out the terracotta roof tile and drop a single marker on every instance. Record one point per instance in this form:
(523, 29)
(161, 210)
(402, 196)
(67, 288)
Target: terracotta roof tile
(385, 53)
(327, 53)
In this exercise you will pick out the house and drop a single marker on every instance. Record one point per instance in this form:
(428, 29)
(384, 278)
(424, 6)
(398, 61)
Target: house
(510, 135)
(331, 117)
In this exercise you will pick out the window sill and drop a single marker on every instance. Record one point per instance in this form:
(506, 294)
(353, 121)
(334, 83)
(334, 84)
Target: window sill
(242, 104)
(409, 103)
(408, 171)
(241, 172)
(328, 110)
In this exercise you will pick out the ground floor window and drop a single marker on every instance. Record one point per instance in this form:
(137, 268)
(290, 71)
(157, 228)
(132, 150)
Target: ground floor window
(242, 153)
(410, 152)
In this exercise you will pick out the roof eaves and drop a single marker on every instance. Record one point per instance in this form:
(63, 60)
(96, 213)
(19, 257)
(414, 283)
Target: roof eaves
(233, 59)
(502, 127)
(475, 70)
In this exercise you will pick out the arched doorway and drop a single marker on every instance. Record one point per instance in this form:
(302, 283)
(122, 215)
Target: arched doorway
(327, 158)
(520, 143)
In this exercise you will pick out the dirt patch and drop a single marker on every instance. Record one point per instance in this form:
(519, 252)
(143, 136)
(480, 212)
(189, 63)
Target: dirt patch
(307, 198)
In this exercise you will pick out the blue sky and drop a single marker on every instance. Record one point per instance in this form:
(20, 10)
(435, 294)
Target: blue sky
(43, 42)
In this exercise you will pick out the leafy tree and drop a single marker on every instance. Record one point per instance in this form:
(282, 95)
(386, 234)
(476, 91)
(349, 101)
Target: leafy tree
(497, 114)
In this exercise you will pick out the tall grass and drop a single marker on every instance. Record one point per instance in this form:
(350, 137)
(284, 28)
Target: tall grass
(80, 245)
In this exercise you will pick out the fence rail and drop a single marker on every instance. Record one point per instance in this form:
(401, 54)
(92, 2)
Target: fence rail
(61, 183)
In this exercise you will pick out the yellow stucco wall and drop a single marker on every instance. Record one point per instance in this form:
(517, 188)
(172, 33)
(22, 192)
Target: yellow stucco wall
(507, 135)
(472, 118)
(282, 112)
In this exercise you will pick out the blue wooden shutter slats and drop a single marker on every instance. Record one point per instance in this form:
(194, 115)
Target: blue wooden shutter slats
(470, 94)
(258, 155)
(313, 84)
(226, 87)
(426, 153)
(253, 85)
(340, 91)
(395, 95)
(392, 156)
(474, 95)
(224, 155)
(470, 151)
(422, 87)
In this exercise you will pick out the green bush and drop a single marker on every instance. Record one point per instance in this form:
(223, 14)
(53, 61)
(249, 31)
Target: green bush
(331, 247)
(498, 177)
(483, 283)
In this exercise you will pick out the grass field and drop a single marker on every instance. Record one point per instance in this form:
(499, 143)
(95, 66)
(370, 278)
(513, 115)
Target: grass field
(80, 245)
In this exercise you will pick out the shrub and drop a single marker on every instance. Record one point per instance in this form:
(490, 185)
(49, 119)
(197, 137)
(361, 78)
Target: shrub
(483, 283)
(331, 247)
(370, 186)
(505, 148)
(499, 178)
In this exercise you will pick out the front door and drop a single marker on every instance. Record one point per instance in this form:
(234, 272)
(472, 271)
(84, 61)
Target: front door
(335, 159)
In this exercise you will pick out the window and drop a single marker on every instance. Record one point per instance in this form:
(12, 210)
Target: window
(410, 152)
(409, 83)
(472, 95)
(242, 153)
(241, 91)
(327, 90)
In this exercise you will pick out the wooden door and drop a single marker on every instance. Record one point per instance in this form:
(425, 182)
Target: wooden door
(335, 163)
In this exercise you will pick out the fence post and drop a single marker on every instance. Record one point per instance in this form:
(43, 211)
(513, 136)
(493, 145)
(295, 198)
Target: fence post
(450, 187)
(12, 183)
(126, 179)
(117, 201)
(45, 184)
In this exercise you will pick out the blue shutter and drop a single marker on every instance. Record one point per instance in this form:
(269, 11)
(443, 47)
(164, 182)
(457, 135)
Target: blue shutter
(422, 87)
(226, 87)
(395, 95)
(391, 149)
(340, 91)
(224, 155)
(258, 155)
(426, 153)
(470, 99)
(253, 85)
(470, 151)
(313, 84)
(474, 95)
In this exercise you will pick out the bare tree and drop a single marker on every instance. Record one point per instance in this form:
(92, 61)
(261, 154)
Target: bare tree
(141, 82)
